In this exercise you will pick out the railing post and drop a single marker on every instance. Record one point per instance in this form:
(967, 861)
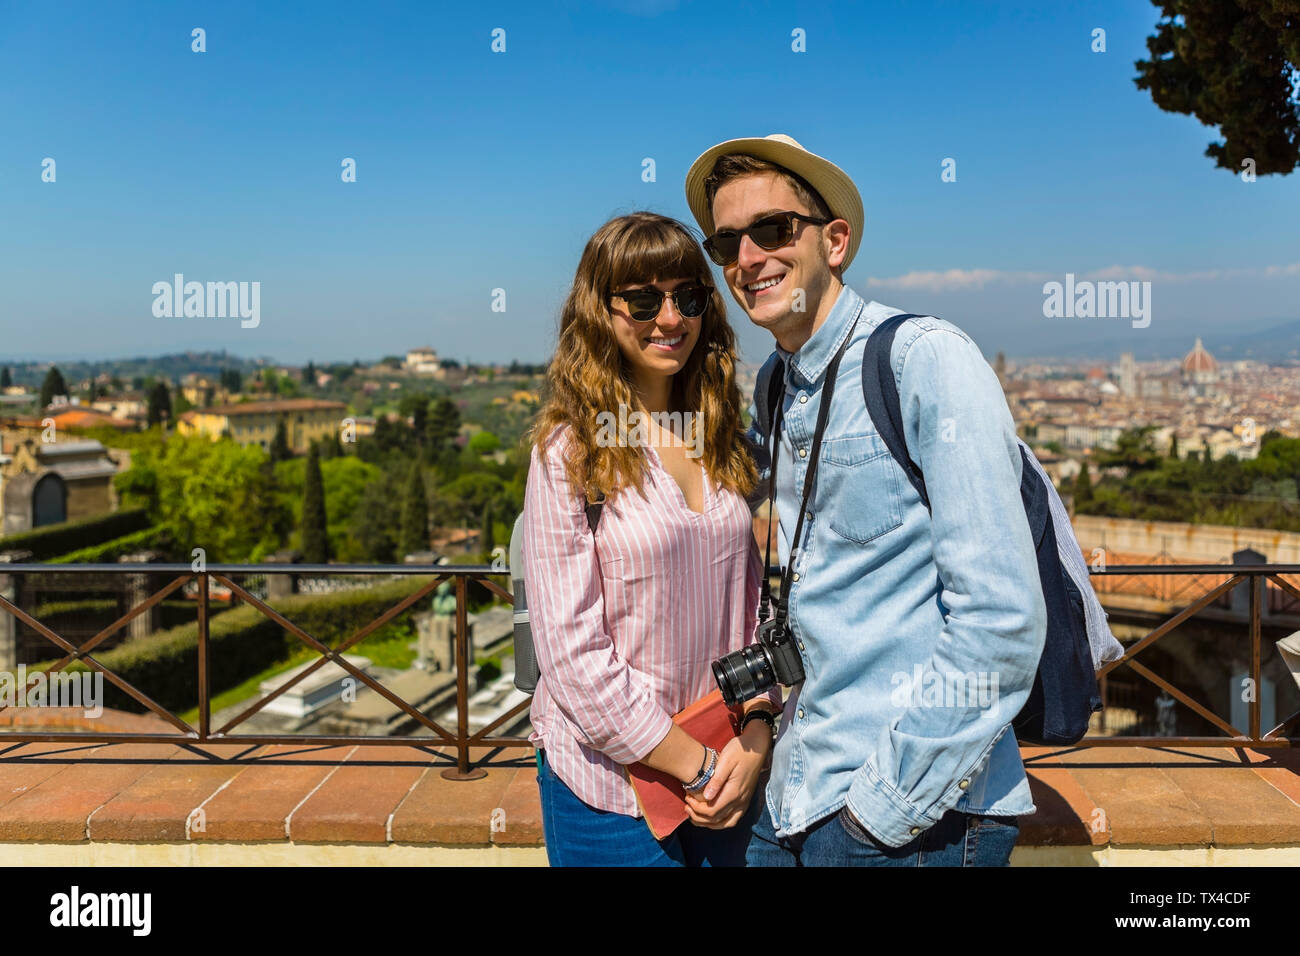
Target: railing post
(1257, 701)
(204, 702)
(11, 588)
(462, 771)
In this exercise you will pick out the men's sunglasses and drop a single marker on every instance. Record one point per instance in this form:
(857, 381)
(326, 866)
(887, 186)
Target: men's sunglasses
(770, 232)
(644, 304)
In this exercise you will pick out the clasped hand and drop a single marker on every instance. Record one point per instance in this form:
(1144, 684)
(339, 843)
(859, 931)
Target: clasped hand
(726, 797)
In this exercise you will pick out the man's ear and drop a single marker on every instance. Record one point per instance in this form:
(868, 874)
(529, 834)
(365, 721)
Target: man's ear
(835, 239)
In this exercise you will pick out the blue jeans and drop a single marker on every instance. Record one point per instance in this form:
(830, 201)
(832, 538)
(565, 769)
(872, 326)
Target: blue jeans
(958, 839)
(580, 835)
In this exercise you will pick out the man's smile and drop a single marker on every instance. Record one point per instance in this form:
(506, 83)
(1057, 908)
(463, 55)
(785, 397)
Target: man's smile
(759, 286)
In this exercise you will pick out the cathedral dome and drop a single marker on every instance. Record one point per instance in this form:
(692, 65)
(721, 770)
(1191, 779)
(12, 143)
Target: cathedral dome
(1199, 360)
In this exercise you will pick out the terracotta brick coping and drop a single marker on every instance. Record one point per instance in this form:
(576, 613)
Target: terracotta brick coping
(379, 795)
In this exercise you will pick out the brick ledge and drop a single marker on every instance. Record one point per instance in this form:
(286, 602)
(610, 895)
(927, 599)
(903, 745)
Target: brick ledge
(1092, 802)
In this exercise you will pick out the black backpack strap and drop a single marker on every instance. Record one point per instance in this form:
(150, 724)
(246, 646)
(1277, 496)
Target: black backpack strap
(593, 513)
(767, 394)
(881, 394)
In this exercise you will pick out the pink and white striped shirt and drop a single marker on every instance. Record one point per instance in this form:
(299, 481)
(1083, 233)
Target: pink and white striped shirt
(626, 623)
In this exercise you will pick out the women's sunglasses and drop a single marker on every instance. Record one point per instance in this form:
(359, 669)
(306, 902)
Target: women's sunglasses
(770, 232)
(644, 304)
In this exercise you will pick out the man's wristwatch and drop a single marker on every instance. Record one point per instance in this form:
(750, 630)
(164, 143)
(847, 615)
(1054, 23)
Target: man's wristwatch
(760, 713)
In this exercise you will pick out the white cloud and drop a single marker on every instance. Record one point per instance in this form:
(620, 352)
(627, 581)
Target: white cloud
(958, 279)
(955, 279)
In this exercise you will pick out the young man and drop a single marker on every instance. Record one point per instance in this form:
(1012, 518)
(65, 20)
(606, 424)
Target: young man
(919, 630)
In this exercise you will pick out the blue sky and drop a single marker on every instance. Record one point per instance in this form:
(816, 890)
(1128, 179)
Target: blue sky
(479, 170)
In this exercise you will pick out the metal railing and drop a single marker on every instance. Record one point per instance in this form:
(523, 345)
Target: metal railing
(1254, 577)
(221, 574)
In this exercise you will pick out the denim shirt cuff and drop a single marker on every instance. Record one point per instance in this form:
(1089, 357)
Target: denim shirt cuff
(883, 811)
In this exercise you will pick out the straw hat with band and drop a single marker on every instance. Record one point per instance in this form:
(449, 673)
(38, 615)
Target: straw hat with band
(824, 176)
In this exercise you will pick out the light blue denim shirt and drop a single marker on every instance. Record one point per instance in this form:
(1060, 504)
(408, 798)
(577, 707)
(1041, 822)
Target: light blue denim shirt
(920, 635)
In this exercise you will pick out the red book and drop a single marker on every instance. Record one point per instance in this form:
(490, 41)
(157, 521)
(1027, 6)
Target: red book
(659, 795)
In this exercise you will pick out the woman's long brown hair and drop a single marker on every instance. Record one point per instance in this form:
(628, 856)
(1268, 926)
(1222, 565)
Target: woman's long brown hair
(589, 375)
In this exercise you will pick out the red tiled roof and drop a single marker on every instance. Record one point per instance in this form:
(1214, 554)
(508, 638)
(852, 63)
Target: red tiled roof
(275, 405)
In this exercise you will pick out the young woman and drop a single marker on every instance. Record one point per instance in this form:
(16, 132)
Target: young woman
(644, 412)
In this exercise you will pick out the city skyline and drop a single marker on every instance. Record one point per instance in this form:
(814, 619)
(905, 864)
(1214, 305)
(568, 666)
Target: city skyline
(475, 171)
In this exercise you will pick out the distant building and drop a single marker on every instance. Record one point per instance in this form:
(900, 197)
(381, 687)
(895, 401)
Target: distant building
(424, 361)
(1127, 375)
(254, 423)
(128, 405)
(46, 483)
(1200, 371)
(199, 390)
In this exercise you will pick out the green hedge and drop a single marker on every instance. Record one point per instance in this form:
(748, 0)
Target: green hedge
(61, 617)
(50, 541)
(155, 538)
(242, 642)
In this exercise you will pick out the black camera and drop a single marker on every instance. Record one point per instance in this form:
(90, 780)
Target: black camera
(748, 672)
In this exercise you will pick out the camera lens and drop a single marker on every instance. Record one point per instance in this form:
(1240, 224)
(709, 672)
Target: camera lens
(744, 673)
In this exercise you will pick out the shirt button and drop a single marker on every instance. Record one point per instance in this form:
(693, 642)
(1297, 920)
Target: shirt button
(800, 712)
(964, 784)
(803, 453)
(796, 576)
(914, 831)
(807, 516)
(803, 399)
(801, 645)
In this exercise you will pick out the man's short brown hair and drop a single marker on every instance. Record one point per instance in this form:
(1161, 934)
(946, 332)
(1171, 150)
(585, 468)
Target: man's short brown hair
(734, 165)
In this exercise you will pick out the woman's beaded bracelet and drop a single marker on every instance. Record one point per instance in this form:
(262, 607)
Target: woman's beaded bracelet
(705, 774)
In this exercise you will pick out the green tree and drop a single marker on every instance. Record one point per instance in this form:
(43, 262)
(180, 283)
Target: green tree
(415, 406)
(1082, 488)
(52, 386)
(483, 443)
(415, 513)
(1173, 445)
(309, 374)
(442, 428)
(160, 404)
(376, 519)
(1134, 450)
(280, 450)
(315, 527)
(213, 495)
(6, 380)
(1232, 65)
(486, 538)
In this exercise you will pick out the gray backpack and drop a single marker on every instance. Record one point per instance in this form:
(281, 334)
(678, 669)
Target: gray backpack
(526, 672)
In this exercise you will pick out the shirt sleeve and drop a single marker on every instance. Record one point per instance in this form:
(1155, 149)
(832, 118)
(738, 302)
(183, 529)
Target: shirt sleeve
(960, 432)
(600, 694)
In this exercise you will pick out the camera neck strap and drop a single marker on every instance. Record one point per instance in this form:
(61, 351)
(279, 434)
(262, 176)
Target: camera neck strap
(823, 411)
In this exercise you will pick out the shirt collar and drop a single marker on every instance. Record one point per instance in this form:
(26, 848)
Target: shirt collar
(811, 360)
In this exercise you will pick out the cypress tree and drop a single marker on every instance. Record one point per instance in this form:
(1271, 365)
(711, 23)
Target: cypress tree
(415, 514)
(315, 536)
(1082, 487)
(486, 538)
(52, 386)
(280, 444)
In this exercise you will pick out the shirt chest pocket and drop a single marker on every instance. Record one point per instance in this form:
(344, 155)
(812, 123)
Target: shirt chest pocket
(858, 493)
